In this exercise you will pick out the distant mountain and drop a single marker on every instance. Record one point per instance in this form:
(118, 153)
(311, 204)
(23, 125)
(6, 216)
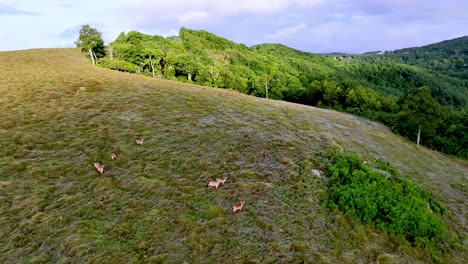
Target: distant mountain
(448, 57)
(375, 70)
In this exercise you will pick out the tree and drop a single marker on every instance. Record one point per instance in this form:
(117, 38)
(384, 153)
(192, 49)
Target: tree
(186, 64)
(152, 57)
(167, 65)
(420, 113)
(233, 78)
(90, 41)
(331, 93)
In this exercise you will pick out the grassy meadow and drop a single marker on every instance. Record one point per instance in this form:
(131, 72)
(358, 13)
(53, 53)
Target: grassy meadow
(152, 204)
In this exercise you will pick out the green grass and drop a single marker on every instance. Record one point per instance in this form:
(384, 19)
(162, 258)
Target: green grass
(152, 204)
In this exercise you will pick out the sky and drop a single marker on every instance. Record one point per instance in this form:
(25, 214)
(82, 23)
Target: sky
(318, 26)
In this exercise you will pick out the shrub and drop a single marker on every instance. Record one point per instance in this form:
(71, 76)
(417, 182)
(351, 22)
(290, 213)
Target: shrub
(119, 65)
(393, 204)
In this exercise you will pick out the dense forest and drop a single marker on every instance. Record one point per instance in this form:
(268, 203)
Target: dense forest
(418, 90)
(449, 57)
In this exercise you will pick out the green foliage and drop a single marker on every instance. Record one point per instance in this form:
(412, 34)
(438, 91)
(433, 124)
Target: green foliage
(452, 133)
(386, 201)
(119, 65)
(393, 78)
(449, 57)
(186, 64)
(419, 108)
(90, 41)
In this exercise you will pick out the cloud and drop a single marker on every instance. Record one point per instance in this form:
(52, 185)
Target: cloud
(186, 12)
(220, 7)
(286, 32)
(309, 25)
(6, 10)
(70, 32)
(404, 11)
(192, 16)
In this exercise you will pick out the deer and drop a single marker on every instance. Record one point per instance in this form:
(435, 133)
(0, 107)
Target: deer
(238, 206)
(213, 184)
(99, 167)
(139, 141)
(113, 155)
(221, 180)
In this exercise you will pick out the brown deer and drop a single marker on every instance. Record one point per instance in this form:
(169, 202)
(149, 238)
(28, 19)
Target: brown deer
(238, 206)
(221, 180)
(99, 167)
(213, 184)
(113, 155)
(139, 141)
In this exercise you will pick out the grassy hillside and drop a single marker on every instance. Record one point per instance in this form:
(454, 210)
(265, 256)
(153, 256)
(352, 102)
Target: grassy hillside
(152, 204)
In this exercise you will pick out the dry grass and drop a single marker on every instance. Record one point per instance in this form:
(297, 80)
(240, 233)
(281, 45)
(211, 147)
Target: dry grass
(152, 204)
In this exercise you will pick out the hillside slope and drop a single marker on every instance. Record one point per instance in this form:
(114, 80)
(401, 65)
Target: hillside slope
(152, 204)
(374, 87)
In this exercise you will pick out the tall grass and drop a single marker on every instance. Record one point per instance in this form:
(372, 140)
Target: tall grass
(152, 203)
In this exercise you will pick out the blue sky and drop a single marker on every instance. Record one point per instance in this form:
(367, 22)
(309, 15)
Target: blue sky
(352, 26)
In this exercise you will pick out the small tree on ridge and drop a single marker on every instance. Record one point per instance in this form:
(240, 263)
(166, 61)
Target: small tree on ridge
(90, 41)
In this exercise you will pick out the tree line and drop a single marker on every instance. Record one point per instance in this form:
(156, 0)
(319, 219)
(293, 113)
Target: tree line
(406, 98)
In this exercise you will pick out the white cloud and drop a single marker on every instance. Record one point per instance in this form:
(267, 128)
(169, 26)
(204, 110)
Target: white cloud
(287, 31)
(218, 8)
(192, 16)
(311, 25)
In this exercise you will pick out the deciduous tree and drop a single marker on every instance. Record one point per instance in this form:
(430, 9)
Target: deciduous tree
(90, 41)
(420, 113)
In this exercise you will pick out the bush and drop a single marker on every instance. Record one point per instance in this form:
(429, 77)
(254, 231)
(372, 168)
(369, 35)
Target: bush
(387, 201)
(119, 65)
